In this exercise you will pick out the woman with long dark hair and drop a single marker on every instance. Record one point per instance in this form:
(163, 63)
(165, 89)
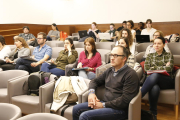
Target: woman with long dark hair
(66, 56)
(54, 33)
(90, 58)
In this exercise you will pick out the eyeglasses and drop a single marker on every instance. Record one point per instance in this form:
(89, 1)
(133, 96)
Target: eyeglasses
(39, 38)
(156, 35)
(115, 55)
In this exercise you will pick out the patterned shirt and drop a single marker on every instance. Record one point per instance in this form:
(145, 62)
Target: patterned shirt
(158, 62)
(27, 36)
(45, 50)
(130, 61)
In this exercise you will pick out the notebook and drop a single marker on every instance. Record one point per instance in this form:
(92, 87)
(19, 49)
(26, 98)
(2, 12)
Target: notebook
(82, 33)
(105, 36)
(84, 68)
(164, 72)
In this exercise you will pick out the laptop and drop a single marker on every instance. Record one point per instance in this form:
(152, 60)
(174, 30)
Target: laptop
(82, 33)
(105, 36)
(142, 38)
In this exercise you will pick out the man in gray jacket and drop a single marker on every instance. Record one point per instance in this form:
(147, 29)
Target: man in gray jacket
(121, 86)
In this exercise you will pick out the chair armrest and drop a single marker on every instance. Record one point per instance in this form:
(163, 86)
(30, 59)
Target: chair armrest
(15, 87)
(46, 94)
(112, 46)
(139, 56)
(101, 69)
(135, 107)
(107, 58)
(177, 88)
(85, 96)
(70, 67)
(139, 72)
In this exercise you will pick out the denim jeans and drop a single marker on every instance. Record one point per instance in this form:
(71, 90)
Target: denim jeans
(87, 75)
(83, 112)
(23, 64)
(52, 69)
(153, 84)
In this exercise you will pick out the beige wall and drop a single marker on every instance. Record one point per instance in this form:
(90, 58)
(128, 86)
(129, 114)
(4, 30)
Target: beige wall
(86, 11)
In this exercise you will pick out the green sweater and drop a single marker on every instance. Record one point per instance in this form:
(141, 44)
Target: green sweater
(64, 59)
(158, 62)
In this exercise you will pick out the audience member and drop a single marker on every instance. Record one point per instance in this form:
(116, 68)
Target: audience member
(148, 30)
(22, 49)
(93, 32)
(54, 33)
(160, 60)
(150, 48)
(112, 32)
(90, 57)
(173, 38)
(130, 25)
(28, 37)
(124, 25)
(41, 54)
(66, 56)
(139, 28)
(4, 50)
(121, 86)
(127, 33)
(125, 43)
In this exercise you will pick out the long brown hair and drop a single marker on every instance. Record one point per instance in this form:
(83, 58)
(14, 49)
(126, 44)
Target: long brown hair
(92, 42)
(24, 44)
(130, 38)
(127, 43)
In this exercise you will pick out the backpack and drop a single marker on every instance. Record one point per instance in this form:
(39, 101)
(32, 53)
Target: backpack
(35, 80)
(147, 115)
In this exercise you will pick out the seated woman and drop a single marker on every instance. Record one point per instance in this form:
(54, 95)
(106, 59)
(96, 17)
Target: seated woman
(21, 50)
(4, 49)
(91, 58)
(93, 32)
(127, 33)
(160, 60)
(148, 30)
(54, 33)
(125, 43)
(66, 56)
(150, 48)
(130, 25)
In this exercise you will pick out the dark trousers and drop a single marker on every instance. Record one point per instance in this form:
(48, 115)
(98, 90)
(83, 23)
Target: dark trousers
(83, 112)
(6, 66)
(153, 84)
(23, 64)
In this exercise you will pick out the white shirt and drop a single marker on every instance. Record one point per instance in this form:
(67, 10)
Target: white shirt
(132, 47)
(132, 31)
(4, 52)
(150, 33)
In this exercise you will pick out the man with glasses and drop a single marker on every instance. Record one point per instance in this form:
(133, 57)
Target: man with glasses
(121, 86)
(40, 54)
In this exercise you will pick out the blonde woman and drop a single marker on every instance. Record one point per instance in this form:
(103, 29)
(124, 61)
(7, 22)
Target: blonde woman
(22, 49)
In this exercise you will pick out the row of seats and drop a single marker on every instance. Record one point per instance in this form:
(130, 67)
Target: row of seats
(13, 92)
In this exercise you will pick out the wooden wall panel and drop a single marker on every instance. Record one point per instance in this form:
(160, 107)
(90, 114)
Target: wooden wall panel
(166, 27)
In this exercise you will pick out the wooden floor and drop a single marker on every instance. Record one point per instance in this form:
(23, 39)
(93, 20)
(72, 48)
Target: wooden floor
(165, 112)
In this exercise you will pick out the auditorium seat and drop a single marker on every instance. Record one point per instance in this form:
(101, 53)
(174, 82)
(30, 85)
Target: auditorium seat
(18, 95)
(42, 116)
(9, 111)
(142, 47)
(6, 76)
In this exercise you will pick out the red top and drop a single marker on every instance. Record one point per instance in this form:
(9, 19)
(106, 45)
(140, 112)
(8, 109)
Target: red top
(94, 62)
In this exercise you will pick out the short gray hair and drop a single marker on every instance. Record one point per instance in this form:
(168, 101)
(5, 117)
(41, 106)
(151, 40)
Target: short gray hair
(125, 51)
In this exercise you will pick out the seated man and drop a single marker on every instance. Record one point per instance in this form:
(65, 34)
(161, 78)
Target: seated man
(112, 32)
(41, 53)
(26, 35)
(121, 86)
(124, 25)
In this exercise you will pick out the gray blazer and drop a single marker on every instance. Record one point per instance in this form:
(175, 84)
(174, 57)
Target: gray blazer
(21, 52)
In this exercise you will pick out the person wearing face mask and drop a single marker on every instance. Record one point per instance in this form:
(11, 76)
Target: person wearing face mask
(160, 60)
(22, 49)
(112, 32)
(148, 30)
(54, 33)
(66, 56)
(150, 48)
(90, 58)
(127, 34)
